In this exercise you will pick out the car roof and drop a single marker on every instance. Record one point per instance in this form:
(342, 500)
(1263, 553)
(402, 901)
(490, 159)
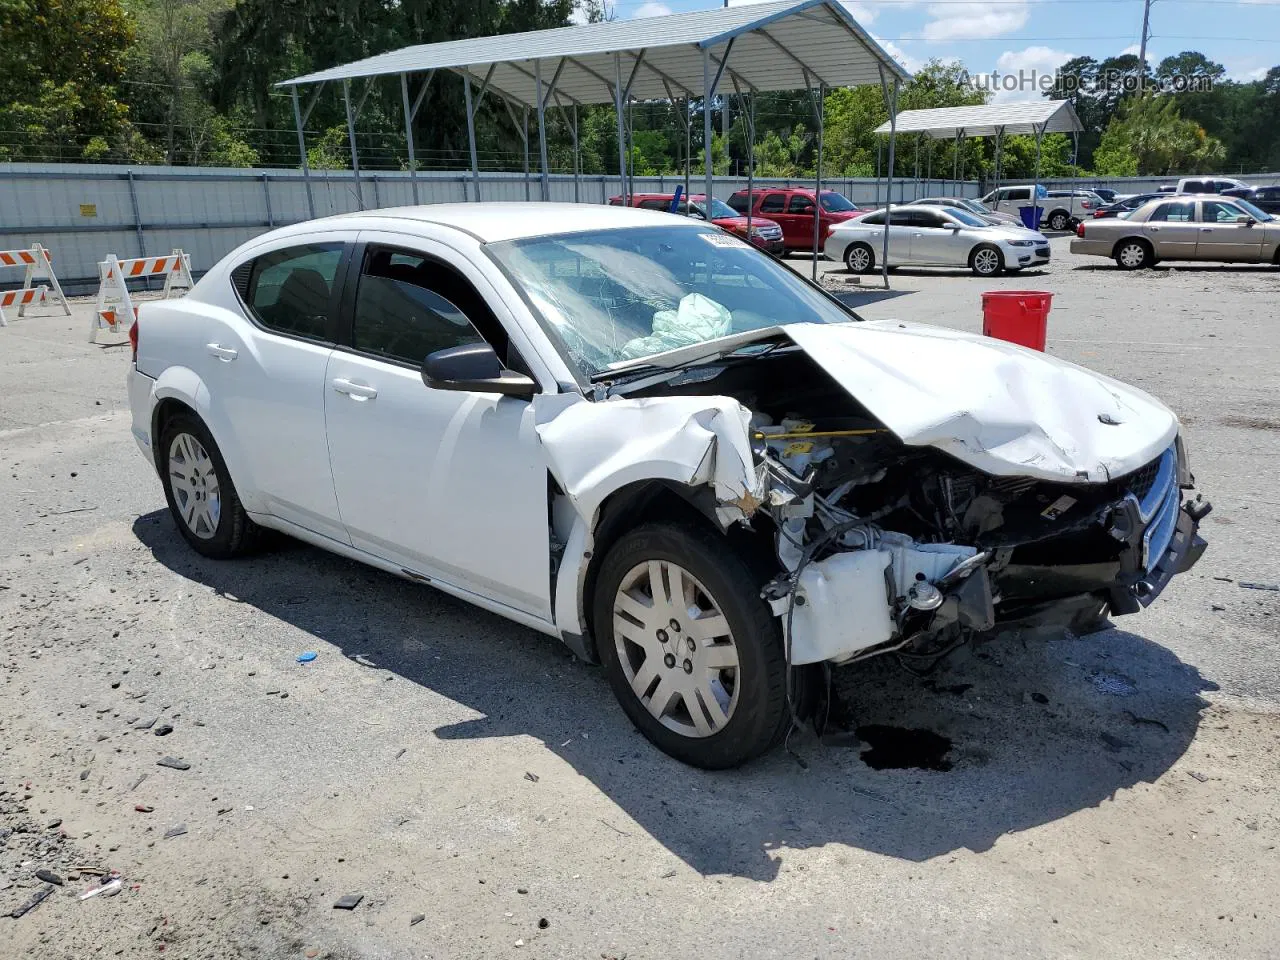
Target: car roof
(494, 221)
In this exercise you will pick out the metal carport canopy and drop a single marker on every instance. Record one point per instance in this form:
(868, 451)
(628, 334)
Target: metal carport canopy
(1036, 117)
(777, 46)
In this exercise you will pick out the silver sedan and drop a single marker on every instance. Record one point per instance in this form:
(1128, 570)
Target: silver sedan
(935, 236)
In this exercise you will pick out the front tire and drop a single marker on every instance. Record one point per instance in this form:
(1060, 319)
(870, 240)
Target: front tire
(859, 258)
(986, 261)
(692, 653)
(201, 496)
(1133, 255)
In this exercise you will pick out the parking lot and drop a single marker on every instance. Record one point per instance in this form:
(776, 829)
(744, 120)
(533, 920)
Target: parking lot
(481, 791)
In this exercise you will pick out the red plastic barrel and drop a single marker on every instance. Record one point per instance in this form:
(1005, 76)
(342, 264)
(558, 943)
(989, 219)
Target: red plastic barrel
(1019, 316)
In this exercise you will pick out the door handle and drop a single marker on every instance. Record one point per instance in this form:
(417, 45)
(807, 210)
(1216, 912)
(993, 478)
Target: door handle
(356, 391)
(219, 352)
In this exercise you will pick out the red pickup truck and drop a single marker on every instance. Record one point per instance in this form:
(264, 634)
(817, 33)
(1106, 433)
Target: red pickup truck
(792, 208)
(765, 234)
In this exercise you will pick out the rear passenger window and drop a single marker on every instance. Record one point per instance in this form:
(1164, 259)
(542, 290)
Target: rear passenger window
(1174, 212)
(773, 203)
(655, 204)
(739, 202)
(291, 290)
(800, 204)
(409, 306)
(1019, 193)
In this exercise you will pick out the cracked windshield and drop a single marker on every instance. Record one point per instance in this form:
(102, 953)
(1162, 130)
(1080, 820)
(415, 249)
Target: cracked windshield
(616, 296)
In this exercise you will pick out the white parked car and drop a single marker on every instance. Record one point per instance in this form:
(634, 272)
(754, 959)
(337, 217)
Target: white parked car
(1063, 209)
(935, 236)
(641, 435)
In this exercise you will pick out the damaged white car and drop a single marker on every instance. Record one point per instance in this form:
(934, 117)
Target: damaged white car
(640, 435)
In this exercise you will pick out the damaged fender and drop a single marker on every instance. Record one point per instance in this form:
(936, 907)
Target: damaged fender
(594, 449)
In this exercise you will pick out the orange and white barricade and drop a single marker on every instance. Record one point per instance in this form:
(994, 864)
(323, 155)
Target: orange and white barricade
(115, 305)
(38, 268)
(22, 298)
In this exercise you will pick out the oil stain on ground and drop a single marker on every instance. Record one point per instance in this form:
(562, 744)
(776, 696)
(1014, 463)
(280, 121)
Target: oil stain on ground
(900, 748)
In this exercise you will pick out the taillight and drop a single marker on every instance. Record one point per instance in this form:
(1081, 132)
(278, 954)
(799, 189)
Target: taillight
(1080, 229)
(1087, 204)
(133, 340)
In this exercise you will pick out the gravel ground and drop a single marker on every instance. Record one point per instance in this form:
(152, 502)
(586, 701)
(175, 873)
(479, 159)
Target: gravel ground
(479, 789)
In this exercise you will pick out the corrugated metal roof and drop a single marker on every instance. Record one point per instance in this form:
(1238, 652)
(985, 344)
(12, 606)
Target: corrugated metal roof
(1058, 116)
(773, 45)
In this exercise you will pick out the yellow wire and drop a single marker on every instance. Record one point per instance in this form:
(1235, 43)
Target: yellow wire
(800, 435)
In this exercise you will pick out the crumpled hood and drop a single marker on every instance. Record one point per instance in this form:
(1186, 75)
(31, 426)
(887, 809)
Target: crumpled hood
(1003, 409)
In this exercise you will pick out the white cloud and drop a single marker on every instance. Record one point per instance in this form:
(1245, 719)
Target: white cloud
(911, 63)
(968, 21)
(1033, 69)
(1133, 50)
(651, 9)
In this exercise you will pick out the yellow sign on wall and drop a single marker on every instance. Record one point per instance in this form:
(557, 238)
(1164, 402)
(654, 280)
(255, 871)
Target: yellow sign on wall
(88, 209)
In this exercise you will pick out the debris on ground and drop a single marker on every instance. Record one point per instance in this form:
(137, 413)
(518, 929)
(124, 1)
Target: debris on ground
(48, 876)
(1196, 775)
(1113, 684)
(416, 919)
(108, 887)
(173, 763)
(1271, 587)
(348, 902)
(163, 730)
(307, 656)
(175, 831)
(143, 808)
(1146, 721)
(37, 898)
(531, 777)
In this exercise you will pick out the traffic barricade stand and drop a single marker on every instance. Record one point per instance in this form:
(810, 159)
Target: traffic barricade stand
(38, 268)
(115, 305)
(23, 298)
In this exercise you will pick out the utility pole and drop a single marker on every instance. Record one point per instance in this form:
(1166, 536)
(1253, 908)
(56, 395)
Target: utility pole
(1142, 47)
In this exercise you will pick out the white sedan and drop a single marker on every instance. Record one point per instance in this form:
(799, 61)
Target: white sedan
(935, 236)
(640, 435)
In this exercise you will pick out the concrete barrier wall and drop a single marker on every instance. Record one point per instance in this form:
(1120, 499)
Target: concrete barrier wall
(82, 212)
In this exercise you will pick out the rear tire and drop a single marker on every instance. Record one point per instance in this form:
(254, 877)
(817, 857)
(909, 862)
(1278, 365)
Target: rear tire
(1059, 220)
(860, 258)
(1133, 254)
(670, 649)
(201, 496)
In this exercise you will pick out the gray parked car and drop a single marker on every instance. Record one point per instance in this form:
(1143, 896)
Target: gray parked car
(1182, 227)
(973, 206)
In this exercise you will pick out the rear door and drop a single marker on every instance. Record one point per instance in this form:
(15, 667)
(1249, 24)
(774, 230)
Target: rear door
(773, 206)
(266, 377)
(1173, 231)
(1226, 234)
(450, 485)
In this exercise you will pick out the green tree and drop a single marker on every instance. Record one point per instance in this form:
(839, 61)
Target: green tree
(1149, 133)
(61, 63)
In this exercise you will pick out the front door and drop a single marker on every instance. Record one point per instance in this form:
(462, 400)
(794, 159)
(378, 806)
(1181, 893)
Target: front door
(1226, 233)
(1173, 231)
(448, 484)
(932, 240)
(800, 218)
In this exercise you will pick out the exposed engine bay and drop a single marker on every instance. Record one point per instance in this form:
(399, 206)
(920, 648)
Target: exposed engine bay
(888, 546)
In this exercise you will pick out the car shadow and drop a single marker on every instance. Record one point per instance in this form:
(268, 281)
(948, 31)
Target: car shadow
(1019, 732)
(1186, 266)
(860, 298)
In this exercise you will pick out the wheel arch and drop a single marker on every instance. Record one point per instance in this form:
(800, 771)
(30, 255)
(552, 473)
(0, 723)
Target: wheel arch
(1138, 238)
(668, 500)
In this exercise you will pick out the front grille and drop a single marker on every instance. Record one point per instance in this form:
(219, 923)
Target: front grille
(1139, 482)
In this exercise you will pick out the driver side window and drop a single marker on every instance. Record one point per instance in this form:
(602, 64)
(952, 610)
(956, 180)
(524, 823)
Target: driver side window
(408, 306)
(1215, 211)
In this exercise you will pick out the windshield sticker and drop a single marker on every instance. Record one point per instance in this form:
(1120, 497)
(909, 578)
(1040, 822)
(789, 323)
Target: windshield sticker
(722, 240)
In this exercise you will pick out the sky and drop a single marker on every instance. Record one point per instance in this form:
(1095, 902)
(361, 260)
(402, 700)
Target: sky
(1013, 35)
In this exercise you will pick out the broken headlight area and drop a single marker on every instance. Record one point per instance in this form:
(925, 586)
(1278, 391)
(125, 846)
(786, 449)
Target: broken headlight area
(889, 547)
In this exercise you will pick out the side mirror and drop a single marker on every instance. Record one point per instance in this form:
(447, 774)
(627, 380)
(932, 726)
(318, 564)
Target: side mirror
(1249, 221)
(955, 227)
(474, 367)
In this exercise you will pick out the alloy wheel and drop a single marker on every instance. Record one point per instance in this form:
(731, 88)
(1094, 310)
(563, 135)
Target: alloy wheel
(194, 482)
(986, 262)
(676, 648)
(1058, 222)
(858, 259)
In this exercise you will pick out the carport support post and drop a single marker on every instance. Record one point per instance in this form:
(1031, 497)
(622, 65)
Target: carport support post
(819, 107)
(688, 144)
(999, 141)
(351, 136)
(708, 91)
(525, 134)
(542, 132)
(915, 187)
(955, 161)
(471, 134)
(408, 134)
(622, 127)
(1035, 191)
(302, 152)
(577, 159)
(892, 105)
